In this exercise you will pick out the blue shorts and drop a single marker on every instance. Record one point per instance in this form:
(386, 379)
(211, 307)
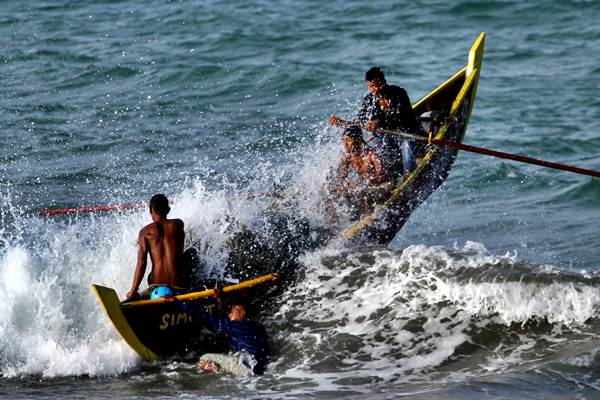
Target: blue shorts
(161, 291)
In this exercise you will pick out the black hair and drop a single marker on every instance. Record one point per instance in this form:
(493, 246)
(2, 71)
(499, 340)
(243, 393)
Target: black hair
(374, 74)
(248, 309)
(160, 204)
(353, 132)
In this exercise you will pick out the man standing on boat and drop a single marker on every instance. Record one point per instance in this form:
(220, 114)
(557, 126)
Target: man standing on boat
(163, 240)
(397, 115)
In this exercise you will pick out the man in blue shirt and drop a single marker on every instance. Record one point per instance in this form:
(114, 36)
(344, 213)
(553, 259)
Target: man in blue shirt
(248, 340)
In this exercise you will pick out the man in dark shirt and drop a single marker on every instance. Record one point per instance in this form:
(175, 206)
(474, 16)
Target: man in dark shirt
(398, 115)
(248, 340)
(392, 116)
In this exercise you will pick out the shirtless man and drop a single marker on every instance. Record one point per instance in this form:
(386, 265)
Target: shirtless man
(163, 240)
(372, 179)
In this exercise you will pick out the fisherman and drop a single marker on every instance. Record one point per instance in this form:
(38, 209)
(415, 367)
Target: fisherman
(372, 182)
(163, 239)
(398, 116)
(248, 339)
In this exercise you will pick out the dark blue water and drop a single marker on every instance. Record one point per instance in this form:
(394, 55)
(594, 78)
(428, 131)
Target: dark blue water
(490, 290)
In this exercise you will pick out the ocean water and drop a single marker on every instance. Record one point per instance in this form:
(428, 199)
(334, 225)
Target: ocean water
(492, 288)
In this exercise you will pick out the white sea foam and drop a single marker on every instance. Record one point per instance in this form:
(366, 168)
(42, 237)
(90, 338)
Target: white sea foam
(405, 315)
(381, 314)
(50, 322)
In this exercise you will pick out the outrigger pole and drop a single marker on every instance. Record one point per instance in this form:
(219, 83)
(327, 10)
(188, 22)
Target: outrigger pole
(493, 153)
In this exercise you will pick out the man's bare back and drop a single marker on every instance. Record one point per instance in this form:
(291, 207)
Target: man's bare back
(163, 240)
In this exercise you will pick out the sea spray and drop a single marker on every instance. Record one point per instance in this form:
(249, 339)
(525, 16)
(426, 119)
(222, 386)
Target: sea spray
(51, 323)
(429, 311)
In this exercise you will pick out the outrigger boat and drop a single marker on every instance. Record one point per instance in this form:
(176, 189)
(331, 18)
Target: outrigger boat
(155, 328)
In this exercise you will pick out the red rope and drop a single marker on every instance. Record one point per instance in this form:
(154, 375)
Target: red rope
(90, 209)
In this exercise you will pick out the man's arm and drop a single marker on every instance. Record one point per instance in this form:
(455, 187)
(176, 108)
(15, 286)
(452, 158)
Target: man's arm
(379, 172)
(343, 172)
(365, 114)
(215, 323)
(142, 262)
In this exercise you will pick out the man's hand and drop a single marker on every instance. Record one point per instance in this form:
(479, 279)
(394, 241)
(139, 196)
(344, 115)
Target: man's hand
(217, 296)
(371, 126)
(131, 294)
(335, 121)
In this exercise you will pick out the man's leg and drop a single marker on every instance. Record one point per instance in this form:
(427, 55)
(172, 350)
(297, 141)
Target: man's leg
(230, 363)
(407, 147)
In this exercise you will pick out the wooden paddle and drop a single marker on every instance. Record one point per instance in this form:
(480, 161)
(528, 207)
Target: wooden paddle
(493, 153)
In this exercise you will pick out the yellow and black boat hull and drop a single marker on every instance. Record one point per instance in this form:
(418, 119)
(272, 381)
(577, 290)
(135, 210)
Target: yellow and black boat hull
(155, 328)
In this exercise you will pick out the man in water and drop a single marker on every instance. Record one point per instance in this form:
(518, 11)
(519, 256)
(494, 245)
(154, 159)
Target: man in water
(163, 240)
(372, 183)
(248, 340)
(399, 115)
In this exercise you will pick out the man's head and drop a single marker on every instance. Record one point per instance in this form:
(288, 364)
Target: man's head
(237, 312)
(353, 139)
(375, 80)
(159, 204)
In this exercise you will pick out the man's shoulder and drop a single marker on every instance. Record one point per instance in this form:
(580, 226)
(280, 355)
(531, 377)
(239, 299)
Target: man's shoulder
(249, 324)
(397, 90)
(176, 222)
(150, 228)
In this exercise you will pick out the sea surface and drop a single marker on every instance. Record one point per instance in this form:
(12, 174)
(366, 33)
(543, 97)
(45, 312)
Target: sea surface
(490, 291)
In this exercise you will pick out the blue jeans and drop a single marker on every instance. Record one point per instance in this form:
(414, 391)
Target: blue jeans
(409, 161)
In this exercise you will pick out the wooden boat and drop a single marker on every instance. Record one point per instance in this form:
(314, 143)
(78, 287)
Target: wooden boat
(454, 101)
(155, 328)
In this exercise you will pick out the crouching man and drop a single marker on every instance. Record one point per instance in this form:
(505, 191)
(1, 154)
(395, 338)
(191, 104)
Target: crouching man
(248, 339)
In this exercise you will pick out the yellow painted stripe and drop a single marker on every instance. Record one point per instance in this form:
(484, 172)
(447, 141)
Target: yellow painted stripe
(475, 61)
(476, 54)
(112, 307)
(459, 75)
(472, 73)
(461, 96)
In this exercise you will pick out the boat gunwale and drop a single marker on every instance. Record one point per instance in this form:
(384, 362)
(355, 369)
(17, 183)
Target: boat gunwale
(206, 293)
(366, 220)
(471, 75)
